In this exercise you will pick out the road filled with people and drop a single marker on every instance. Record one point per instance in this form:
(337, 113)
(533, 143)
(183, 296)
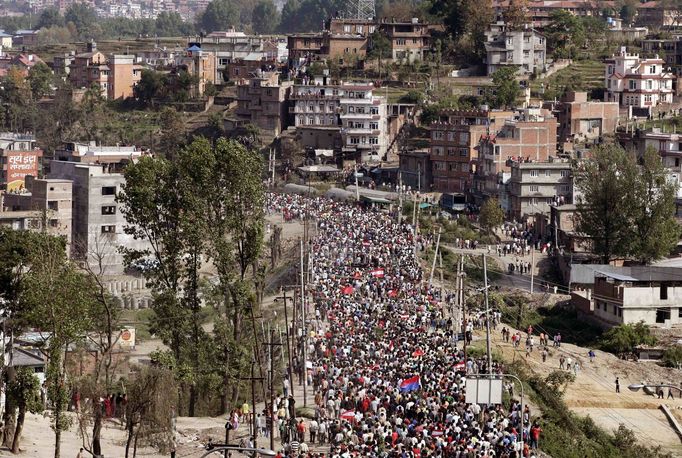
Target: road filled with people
(387, 371)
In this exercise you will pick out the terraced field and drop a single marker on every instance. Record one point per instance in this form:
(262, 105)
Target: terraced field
(584, 75)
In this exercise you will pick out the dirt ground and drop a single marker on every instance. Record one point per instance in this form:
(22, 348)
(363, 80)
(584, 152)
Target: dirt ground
(594, 393)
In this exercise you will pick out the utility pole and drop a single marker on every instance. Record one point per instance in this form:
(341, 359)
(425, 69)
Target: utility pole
(487, 315)
(435, 256)
(532, 269)
(269, 411)
(400, 197)
(357, 189)
(286, 328)
(253, 404)
(304, 327)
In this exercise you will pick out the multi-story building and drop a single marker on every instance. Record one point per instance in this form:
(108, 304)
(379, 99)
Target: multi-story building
(262, 101)
(657, 15)
(525, 49)
(530, 136)
(19, 157)
(635, 82)
(309, 47)
(336, 115)
(232, 45)
(316, 111)
(44, 205)
(535, 186)
(364, 130)
(540, 12)
(410, 41)
(98, 225)
(454, 140)
(61, 63)
(124, 73)
(200, 64)
(100, 154)
(90, 68)
(580, 119)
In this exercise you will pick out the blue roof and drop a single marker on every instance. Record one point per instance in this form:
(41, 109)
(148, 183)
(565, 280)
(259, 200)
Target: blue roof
(194, 48)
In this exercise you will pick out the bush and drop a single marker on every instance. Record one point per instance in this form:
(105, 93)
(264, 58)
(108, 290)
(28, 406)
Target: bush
(624, 338)
(559, 380)
(672, 357)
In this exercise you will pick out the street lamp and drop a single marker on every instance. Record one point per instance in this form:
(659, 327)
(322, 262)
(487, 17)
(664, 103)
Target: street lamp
(638, 386)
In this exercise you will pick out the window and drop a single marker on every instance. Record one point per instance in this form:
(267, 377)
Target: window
(664, 292)
(374, 110)
(109, 210)
(610, 69)
(534, 173)
(109, 229)
(373, 141)
(52, 205)
(354, 141)
(632, 84)
(346, 28)
(548, 173)
(108, 190)
(464, 138)
(463, 152)
(534, 188)
(647, 98)
(437, 150)
(649, 84)
(564, 188)
(54, 223)
(437, 135)
(400, 42)
(564, 173)
(371, 29)
(359, 28)
(652, 69)
(374, 125)
(662, 314)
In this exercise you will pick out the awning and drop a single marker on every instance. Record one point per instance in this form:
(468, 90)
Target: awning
(375, 200)
(425, 205)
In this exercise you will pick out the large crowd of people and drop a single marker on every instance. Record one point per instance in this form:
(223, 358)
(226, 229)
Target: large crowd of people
(386, 368)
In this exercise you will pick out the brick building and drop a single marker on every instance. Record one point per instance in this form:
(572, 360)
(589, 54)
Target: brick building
(454, 140)
(530, 136)
(580, 119)
(90, 68)
(198, 63)
(410, 41)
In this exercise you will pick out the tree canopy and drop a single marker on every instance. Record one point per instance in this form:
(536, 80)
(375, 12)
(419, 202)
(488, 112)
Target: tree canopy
(265, 17)
(626, 208)
(491, 215)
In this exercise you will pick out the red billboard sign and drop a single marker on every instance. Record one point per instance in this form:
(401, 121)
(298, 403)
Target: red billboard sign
(18, 165)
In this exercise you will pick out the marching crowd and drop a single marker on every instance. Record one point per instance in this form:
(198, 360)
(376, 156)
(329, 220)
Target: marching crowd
(387, 371)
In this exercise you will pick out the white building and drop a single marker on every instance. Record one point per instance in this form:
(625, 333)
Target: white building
(525, 49)
(635, 82)
(364, 121)
(345, 116)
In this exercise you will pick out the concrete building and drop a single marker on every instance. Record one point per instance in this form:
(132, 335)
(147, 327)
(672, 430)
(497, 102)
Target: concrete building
(336, 115)
(90, 68)
(525, 49)
(628, 295)
(124, 73)
(454, 141)
(19, 158)
(229, 46)
(200, 64)
(93, 153)
(262, 101)
(535, 186)
(45, 205)
(410, 41)
(635, 82)
(582, 120)
(416, 169)
(539, 12)
(364, 130)
(658, 15)
(98, 224)
(315, 109)
(530, 136)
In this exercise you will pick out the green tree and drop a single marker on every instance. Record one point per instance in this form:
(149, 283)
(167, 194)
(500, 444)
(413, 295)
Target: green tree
(50, 17)
(83, 17)
(653, 222)
(491, 215)
(516, 14)
(605, 183)
(564, 33)
(150, 86)
(628, 10)
(380, 48)
(219, 15)
(624, 338)
(24, 391)
(506, 87)
(170, 24)
(172, 132)
(265, 18)
(58, 303)
(288, 19)
(40, 79)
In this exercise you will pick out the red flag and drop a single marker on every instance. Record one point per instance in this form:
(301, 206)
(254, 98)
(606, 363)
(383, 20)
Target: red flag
(418, 352)
(392, 293)
(347, 290)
